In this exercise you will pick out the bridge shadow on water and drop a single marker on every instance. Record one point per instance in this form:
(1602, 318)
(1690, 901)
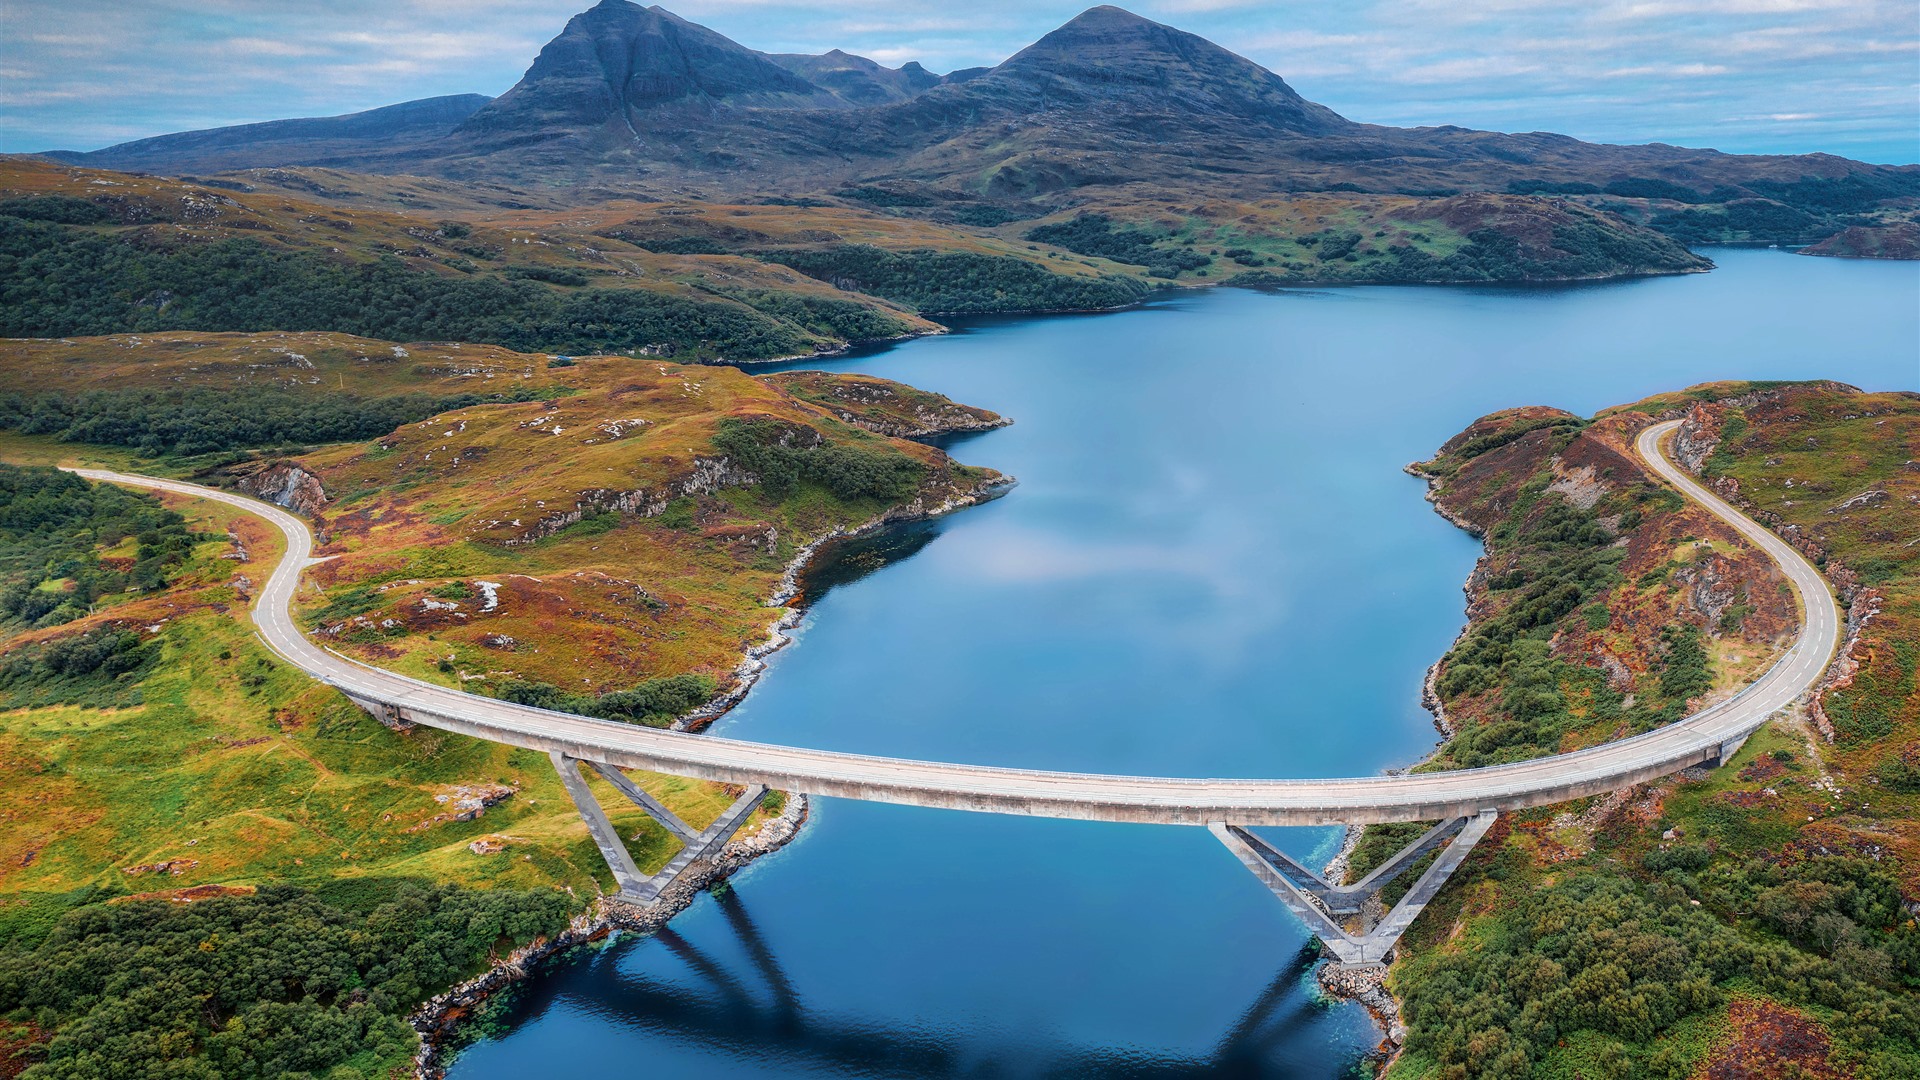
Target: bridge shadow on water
(749, 1012)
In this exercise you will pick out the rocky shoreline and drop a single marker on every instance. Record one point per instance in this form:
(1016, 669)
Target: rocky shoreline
(753, 662)
(439, 1019)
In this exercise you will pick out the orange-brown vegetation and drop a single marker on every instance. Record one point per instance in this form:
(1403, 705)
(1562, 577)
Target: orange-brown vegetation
(1764, 1040)
(595, 539)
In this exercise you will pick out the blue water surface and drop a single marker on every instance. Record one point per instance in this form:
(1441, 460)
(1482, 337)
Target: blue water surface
(1212, 566)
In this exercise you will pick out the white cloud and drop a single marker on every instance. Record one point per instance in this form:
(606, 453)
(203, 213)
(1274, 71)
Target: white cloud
(1683, 71)
(86, 72)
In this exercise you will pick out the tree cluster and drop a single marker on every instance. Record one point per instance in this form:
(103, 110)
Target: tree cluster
(1627, 958)
(275, 985)
(53, 526)
(200, 420)
(1095, 234)
(654, 703)
(786, 456)
(940, 282)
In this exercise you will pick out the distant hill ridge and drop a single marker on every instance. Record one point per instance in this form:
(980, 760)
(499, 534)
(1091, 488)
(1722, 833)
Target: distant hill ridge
(631, 98)
(311, 140)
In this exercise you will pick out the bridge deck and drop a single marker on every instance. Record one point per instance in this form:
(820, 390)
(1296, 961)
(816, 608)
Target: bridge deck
(1165, 800)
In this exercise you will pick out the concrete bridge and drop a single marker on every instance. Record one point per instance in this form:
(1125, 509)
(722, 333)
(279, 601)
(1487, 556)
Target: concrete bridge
(1465, 802)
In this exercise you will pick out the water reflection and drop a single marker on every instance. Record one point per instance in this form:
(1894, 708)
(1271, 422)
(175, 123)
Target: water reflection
(733, 996)
(850, 560)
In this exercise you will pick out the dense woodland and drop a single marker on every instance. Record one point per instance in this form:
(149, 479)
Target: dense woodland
(53, 528)
(60, 280)
(785, 456)
(191, 421)
(1630, 953)
(938, 282)
(1095, 234)
(280, 984)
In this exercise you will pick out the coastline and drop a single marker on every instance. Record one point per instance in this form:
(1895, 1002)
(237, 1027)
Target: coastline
(1367, 985)
(753, 662)
(438, 1020)
(1257, 280)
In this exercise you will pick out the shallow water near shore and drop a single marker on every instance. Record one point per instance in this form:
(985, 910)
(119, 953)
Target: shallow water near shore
(1212, 566)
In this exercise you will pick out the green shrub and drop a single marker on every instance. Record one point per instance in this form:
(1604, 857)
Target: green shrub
(654, 703)
(1094, 234)
(786, 456)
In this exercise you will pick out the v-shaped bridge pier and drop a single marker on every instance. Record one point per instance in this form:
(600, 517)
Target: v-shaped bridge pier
(696, 845)
(1319, 903)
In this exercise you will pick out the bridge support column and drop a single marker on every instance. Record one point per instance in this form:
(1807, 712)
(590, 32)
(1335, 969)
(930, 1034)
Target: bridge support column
(383, 712)
(1731, 747)
(696, 845)
(1318, 901)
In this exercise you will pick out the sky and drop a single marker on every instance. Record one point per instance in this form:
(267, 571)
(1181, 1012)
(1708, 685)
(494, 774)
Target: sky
(1746, 76)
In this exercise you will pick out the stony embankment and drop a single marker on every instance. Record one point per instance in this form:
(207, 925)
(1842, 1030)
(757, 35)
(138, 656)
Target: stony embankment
(439, 1019)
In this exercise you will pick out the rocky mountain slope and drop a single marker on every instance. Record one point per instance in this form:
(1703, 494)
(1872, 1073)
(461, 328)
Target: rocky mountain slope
(314, 140)
(639, 100)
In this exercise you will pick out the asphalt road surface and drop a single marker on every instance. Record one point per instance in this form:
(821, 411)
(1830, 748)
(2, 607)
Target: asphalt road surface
(1359, 800)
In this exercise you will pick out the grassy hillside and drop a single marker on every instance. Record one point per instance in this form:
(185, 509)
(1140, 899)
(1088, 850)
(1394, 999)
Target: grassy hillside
(607, 544)
(1605, 605)
(633, 528)
(1754, 920)
(88, 252)
(1365, 239)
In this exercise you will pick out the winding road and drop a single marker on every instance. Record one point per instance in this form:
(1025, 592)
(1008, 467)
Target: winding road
(1703, 737)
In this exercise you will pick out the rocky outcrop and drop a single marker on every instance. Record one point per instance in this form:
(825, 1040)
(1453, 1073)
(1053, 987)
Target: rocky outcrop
(1367, 984)
(1863, 606)
(1697, 436)
(709, 475)
(284, 483)
(884, 406)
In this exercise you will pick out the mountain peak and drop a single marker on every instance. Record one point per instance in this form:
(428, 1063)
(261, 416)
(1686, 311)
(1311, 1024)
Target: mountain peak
(1107, 16)
(1108, 54)
(617, 60)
